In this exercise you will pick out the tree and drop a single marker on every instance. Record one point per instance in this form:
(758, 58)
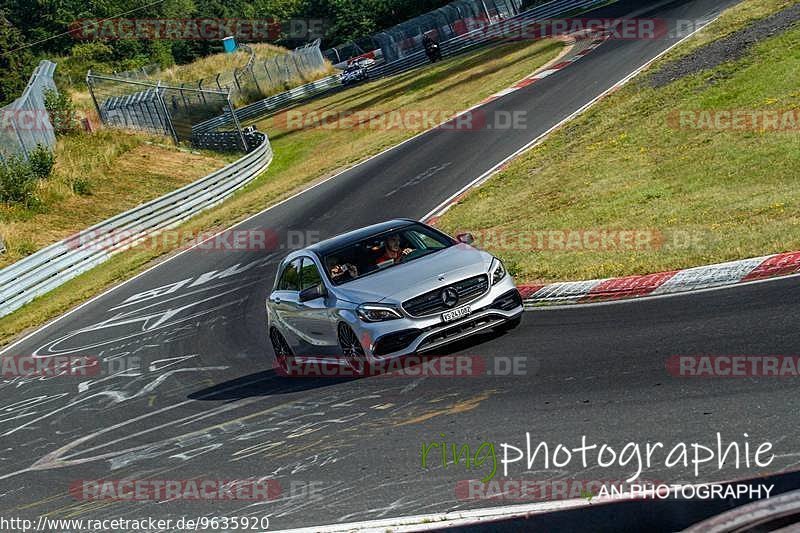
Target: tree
(16, 65)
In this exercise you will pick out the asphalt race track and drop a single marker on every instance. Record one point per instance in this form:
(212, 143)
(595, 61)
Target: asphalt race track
(205, 401)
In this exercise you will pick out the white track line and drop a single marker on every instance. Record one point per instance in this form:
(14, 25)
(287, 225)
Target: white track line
(444, 206)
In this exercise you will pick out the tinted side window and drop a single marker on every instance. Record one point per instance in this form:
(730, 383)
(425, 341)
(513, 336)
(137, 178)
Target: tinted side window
(290, 278)
(309, 274)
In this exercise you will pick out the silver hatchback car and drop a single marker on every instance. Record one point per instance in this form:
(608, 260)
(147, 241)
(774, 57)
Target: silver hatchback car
(385, 291)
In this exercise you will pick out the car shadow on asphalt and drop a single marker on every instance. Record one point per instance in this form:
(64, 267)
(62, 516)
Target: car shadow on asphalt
(265, 383)
(271, 383)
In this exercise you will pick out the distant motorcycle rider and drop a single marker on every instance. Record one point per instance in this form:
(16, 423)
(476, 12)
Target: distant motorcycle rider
(431, 48)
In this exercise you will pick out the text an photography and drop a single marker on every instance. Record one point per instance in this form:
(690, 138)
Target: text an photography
(638, 458)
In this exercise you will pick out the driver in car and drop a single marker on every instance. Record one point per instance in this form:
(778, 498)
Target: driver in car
(392, 252)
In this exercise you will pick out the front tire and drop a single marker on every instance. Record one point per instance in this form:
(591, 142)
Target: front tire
(508, 325)
(352, 350)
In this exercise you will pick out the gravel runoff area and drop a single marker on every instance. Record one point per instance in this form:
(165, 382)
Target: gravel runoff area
(728, 48)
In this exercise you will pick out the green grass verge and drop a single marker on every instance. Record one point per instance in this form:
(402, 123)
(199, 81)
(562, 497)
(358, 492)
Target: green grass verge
(304, 156)
(704, 195)
(96, 177)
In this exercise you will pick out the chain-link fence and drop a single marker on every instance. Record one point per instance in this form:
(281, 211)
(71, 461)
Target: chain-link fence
(454, 19)
(24, 123)
(257, 78)
(160, 109)
(263, 77)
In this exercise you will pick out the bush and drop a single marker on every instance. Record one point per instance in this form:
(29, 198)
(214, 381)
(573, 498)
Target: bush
(41, 161)
(17, 181)
(81, 186)
(61, 111)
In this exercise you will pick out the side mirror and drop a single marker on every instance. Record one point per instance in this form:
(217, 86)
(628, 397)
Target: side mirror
(465, 238)
(312, 293)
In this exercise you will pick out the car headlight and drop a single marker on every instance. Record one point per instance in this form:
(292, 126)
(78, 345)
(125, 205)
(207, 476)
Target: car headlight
(377, 312)
(498, 271)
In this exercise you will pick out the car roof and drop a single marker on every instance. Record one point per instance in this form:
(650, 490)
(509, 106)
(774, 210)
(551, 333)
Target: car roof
(351, 237)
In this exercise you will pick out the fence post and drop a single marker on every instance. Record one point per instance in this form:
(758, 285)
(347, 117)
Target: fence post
(200, 86)
(89, 82)
(269, 76)
(253, 72)
(167, 116)
(236, 124)
(153, 123)
(183, 98)
(297, 67)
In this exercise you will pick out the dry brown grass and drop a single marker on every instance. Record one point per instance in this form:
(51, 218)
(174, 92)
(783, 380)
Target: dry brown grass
(122, 171)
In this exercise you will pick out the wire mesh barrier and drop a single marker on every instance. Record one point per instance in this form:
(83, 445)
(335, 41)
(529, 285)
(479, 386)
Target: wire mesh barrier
(24, 123)
(484, 34)
(277, 73)
(272, 104)
(442, 24)
(160, 109)
(463, 42)
(142, 73)
(257, 77)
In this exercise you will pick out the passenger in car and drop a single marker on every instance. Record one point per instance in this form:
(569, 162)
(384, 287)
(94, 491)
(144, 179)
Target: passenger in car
(341, 270)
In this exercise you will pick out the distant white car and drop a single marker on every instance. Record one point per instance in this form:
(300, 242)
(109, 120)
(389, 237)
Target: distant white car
(385, 291)
(356, 71)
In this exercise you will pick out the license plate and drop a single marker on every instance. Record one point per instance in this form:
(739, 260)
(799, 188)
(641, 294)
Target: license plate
(455, 314)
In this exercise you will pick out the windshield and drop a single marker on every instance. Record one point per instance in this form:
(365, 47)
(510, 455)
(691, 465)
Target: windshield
(383, 251)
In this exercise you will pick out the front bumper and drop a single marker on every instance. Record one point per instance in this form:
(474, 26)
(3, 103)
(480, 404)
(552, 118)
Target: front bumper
(405, 336)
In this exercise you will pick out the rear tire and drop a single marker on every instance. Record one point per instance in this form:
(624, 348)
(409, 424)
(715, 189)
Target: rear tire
(352, 350)
(283, 352)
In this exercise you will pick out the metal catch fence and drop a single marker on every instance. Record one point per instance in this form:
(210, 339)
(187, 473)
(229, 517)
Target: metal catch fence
(158, 108)
(24, 123)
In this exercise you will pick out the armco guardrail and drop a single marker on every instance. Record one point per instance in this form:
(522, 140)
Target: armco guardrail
(271, 104)
(457, 45)
(48, 268)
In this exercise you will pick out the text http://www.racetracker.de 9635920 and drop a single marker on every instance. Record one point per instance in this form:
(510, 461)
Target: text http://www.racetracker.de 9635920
(366, 353)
